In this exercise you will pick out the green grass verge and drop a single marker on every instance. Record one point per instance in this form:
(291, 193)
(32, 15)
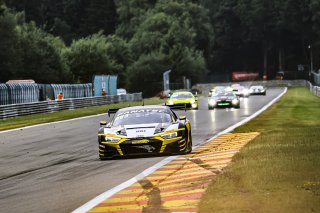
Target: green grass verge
(279, 171)
(28, 120)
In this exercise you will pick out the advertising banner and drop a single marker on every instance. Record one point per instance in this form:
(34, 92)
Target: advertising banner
(244, 76)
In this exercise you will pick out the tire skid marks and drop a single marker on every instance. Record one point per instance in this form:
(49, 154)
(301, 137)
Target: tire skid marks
(179, 185)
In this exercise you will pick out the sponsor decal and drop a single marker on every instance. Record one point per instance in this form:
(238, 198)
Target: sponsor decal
(223, 104)
(142, 111)
(140, 141)
(242, 75)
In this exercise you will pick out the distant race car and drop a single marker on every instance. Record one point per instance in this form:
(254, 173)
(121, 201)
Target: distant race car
(186, 99)
(144, 130)
(258, 90)
(223, 99)
(217, 89)
(243, 92)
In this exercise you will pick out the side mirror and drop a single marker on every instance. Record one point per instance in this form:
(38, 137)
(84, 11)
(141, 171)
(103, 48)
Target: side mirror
(182, 118)
(103, 123)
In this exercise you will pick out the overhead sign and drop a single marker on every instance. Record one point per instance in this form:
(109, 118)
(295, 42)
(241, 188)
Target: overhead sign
(243, 75)
(28, 81)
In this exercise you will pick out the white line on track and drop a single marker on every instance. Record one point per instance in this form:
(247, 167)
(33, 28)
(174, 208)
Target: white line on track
(56, 122)
(89, 205)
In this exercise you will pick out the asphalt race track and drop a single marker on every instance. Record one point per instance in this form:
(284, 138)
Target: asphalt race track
(55, 167)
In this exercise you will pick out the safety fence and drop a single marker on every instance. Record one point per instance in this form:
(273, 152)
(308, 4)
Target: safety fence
(17, 93)
(15, 110)
(72, 90)
(316, 78)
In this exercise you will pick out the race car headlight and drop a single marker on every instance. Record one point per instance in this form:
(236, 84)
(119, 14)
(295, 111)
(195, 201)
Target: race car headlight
(170, 135)
(111, 139)
(212, 102)
(192, 101)
(235, 101)
(170, 102)
(245, 91)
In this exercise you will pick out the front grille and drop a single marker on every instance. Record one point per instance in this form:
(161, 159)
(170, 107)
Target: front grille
(153, 146)
(224, 103)
(188, 105)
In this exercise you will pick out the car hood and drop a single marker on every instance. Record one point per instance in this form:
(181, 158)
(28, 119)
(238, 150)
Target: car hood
(182, 101)
(222, 98)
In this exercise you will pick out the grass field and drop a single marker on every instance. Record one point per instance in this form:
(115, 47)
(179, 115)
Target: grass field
(279, 171)
(67, 114)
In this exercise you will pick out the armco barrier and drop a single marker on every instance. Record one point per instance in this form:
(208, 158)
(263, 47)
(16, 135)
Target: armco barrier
(14, 110)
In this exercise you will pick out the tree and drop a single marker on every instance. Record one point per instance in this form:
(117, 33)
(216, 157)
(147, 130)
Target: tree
(118, 53)
(100, 15)
(42, 56)
(145, 73)
(87, 57)
(131, 15)
(10, 58)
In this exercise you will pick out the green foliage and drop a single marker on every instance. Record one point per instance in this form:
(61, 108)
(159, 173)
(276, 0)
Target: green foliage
(190, 36)
(87, 57)
(131, 15)
(70, 19)
(41, 54)
(10, 59)
(120, 57)
(97, 54)
(144, 74)
(171, 31)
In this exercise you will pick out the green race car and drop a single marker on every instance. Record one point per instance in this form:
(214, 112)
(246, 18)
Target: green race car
(180, 99)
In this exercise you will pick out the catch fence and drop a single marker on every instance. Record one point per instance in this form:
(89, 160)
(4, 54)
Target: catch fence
(18, 93)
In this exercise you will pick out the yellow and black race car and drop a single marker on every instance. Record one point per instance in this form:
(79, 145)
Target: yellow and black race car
(144, 130)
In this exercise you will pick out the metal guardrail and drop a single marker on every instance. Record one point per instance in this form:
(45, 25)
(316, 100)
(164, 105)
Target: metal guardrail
(15, 110)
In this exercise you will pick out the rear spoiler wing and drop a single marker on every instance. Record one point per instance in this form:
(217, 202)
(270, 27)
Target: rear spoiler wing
(112, 111)
(178, 107)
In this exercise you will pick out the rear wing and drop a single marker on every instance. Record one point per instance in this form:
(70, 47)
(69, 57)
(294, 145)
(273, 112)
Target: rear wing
(178, 107)
(112, 111)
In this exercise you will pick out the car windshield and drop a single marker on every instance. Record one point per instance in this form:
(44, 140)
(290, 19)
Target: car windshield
(144, 116)
(181, 96)
(257, 87)
(227, 94)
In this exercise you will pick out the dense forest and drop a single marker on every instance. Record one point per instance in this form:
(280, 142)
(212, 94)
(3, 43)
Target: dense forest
(68, 41)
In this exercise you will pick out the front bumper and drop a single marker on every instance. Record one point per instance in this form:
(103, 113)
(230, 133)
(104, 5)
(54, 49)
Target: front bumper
(142, 146)
(258, 92)
(222, 104)
(187, 105)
